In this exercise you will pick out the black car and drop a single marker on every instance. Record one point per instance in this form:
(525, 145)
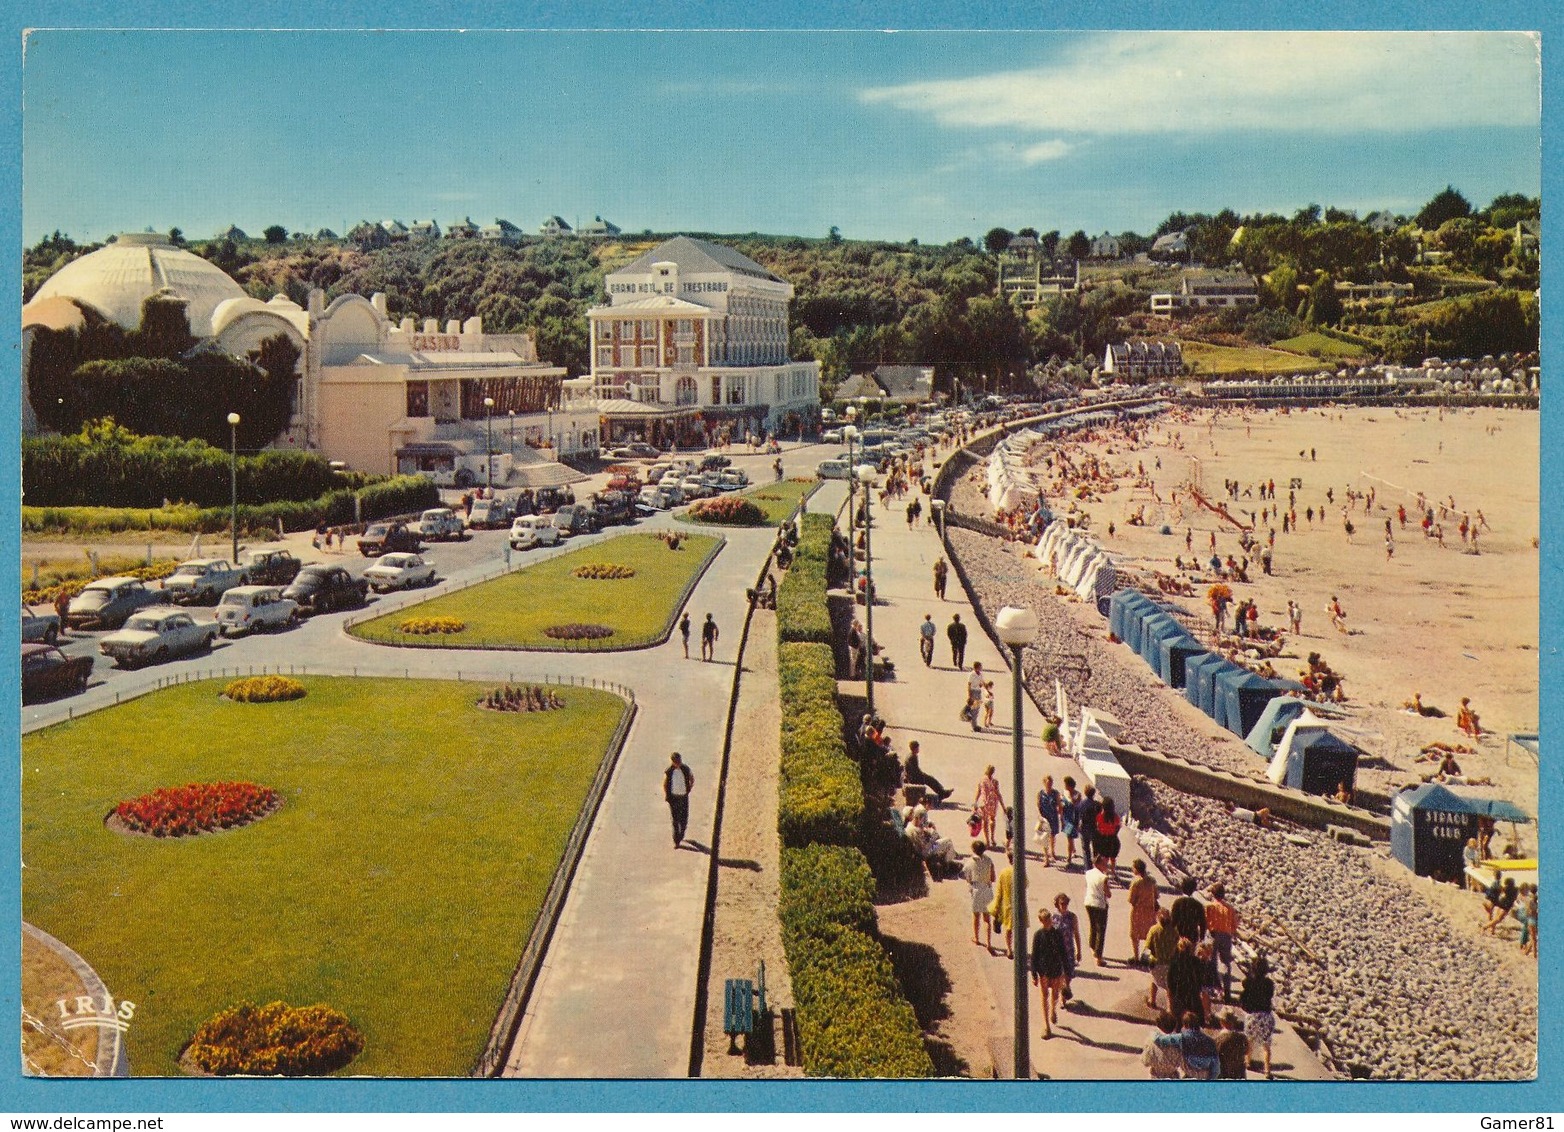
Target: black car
(271, 568)
(384, 538)
(551, 499)
(611, 508)
(320, 588)
(48, 672)
(714, 463)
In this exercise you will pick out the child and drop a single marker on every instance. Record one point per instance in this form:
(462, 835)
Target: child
(988, 703)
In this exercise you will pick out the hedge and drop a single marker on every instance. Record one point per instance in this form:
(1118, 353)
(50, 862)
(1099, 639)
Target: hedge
(821, 792)
(802, 614)
(396, 495)
(826, 884)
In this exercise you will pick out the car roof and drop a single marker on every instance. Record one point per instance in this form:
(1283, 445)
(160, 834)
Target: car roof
(111, 583)
(199, 561)
(248, 591)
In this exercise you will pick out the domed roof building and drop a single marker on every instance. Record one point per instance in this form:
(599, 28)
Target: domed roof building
(116, 279)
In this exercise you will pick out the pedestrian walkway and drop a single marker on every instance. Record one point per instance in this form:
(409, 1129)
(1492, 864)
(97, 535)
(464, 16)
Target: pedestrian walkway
(1102, 1033)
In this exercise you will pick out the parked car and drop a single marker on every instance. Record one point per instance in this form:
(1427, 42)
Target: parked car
(714, 463)
(491, 514)
(383, 538)
(659, 498)
(533, 530)
(693, 487)
(154, 635)
(48, 672)
(732, 480)
(399, 572)
(575, 519)
(551, 499)
(657, 471)
(271, 567)
(320, 588)
(831, 436)
(107, 602)
(255, 609)
(441, 524)
(636, 451)
(201, 581)
(834, 470)
(613, 508)
(40, 623)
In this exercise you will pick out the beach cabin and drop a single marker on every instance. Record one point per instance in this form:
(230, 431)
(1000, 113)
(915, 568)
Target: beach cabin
(1173, 656)
(1153, 629)
(1430, 825)
(1243, 695)
(1272, 724)
(1313, 758)
(1200, 679)
(1124, 604)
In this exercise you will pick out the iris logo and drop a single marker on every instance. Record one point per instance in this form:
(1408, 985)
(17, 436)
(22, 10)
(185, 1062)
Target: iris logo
(84, 1010)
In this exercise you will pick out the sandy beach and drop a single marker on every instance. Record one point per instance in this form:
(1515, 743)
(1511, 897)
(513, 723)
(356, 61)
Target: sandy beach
(1444, 621)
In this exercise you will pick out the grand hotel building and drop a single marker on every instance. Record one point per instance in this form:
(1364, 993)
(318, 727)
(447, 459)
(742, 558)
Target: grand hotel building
(693, 347)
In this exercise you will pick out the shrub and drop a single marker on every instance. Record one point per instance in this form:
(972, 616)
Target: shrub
(729, 510)
(264, 689)
(802, 614)
(275, 1039)
(603, 571)
(70, 587)
(522, 697)
(427, 626)
(200, 807)
(821, 793)
(826, 884)
(578, 632)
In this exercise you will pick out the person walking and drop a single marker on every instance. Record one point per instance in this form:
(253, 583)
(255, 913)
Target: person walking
(988, 703)
(1096, 901)
(1069, 925)
(1161, 945)
(986, 802)
(974, 695)
(1086, 811)
(1257, 1000)
(708, 638)
(1048, 817)
(941, 575)
(956, 632)
(1106, 842)
(1184, 981)
(926, 633)
(684, 632)
(1222, 923)
(1189, 915)
(1048, 968)
(1069, 819)
(1143, 907)
(678, 781)
(1002, 908)
(980, 876)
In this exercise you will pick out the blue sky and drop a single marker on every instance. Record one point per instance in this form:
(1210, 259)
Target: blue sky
(931, 135)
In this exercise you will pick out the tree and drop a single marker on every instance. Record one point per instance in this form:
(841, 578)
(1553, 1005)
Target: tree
(1447, 205)
(1032, 232)
(276, 234)
(996, 240)
(835, 235)
(1323, 304)
(1080, 245)
(1049, 242)
(176, 237)
(1307, 215)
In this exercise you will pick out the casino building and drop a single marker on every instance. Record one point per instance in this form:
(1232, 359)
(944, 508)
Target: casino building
(693, 348)
(381, 396)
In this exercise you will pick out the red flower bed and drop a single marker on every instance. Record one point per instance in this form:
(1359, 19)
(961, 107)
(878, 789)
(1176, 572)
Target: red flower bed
(729, 510)
(200, 807)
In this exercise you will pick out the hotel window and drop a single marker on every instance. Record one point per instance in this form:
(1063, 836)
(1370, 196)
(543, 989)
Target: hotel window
(716, 390)
(686, 355)
(418, 398)
(648, 330)
(605, 356)
(735, 390)
(649, 356)
(686, 326)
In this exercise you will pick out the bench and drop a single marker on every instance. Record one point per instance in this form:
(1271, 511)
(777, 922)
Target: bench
(742, 1002)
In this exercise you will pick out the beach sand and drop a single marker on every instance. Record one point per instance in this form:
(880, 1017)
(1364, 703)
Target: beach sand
(1440, 621)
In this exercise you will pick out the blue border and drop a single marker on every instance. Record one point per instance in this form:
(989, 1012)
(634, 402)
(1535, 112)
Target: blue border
(23, 1094)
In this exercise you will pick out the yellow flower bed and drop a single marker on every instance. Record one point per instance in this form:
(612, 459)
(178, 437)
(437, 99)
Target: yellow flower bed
(426, 626)
(264, 689)
(275, 1040)
(603, 571)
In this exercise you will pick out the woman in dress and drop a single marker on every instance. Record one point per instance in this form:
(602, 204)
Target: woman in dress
(1048, 817)
(1257, 1000)
(1143, 907)
(1068, 816)
(1106, 843)
(1184, 981)
(979, 875)
(1048, 968)
(1069, 926)
(1002, 907)
(987, 801)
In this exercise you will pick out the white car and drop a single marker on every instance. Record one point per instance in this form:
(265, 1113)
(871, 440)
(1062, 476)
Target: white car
(154, 635)
(834, 470)
(696, 488)
(831, 436)
(438, 524)
(533, 530)
(255, 609)
(400, 571)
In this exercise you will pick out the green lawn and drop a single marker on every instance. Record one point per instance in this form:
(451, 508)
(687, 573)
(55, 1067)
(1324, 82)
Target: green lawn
(398, 883)
(512, 611)
(777, 500)
(1325, 346)
(1208, 360)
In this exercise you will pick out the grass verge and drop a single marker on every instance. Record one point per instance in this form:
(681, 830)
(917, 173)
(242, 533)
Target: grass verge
(398, 883)
(512, 612)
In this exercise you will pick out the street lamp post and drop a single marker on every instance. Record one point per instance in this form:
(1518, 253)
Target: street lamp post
(233, 482)
(488, 455)
(1017, 628)
(866, 476)
(512, 433)
(939, 518)
(850, 434)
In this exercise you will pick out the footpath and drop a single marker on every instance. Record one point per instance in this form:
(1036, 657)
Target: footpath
(1102, 1032)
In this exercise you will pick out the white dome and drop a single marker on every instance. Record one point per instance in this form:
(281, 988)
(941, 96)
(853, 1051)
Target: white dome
(117, 278)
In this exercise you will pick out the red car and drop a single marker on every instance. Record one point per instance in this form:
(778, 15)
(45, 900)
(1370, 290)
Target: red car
(47, 672)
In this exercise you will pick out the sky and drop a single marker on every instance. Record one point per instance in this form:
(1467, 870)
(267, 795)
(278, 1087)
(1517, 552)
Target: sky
(884, 135)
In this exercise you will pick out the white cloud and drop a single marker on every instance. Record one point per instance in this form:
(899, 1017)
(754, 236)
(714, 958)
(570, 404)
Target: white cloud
(1039, 152)
(1208, 82)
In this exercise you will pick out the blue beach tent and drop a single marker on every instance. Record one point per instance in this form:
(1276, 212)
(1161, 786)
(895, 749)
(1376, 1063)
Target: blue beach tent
(1272, 724)
(1173, 655)
(1152, 630)
(1430, 825)
(1200, 681)
(1244, 696)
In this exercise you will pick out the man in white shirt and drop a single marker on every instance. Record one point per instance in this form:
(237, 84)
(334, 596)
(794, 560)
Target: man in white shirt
(974, 693)
(678, 781)
(1096, 901)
